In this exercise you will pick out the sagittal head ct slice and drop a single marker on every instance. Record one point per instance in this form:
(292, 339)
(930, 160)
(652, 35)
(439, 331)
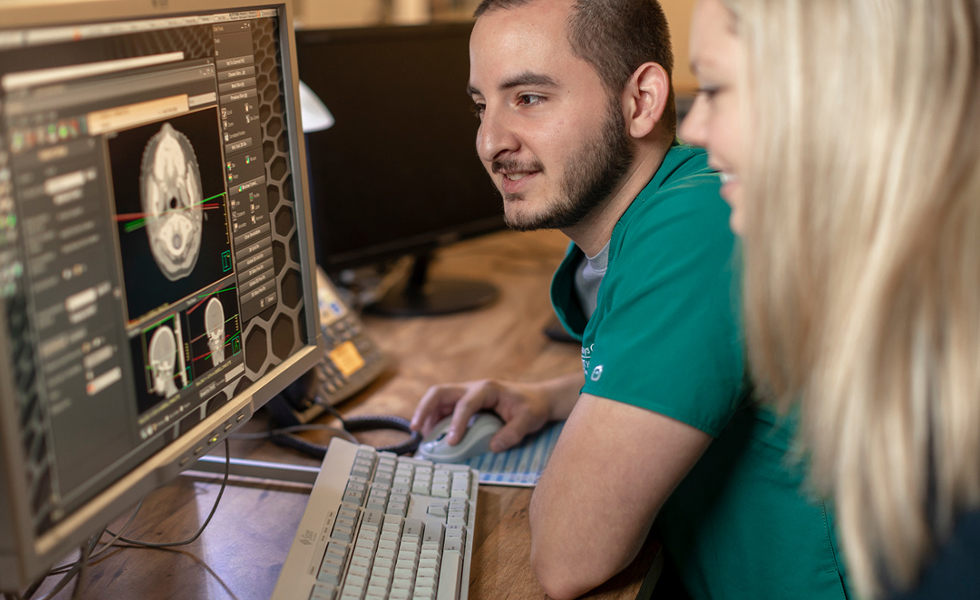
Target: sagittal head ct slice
(171, 195)
(163, 358)
(214, 321)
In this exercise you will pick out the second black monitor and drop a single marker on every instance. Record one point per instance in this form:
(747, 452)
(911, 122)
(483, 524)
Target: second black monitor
(398, 173)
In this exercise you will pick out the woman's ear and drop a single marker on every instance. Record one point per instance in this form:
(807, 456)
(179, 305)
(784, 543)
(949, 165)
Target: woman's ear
(645, 98)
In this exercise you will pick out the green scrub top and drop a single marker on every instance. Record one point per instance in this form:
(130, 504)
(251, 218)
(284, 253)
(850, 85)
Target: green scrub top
(665, 336)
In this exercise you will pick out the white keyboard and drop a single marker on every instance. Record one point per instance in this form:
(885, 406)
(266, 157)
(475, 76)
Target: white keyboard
(382, 526)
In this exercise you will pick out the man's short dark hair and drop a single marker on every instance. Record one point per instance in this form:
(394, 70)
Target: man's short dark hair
(615, 37)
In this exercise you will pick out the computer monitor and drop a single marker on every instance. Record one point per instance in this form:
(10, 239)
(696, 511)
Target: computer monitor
(398, 173)
(156, 271)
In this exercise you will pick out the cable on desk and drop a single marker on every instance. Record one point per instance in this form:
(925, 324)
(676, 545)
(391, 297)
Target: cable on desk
(83, 560)
(371, 423)
(374, 422)
(76, 571)
(294, 429)
(285, 435)
(221, 491)
(87, 556)
(97, 553)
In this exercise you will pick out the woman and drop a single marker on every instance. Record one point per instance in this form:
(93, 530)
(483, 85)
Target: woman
(847, 133)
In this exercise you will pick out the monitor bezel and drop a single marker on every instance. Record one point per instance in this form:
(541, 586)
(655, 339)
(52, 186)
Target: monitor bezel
(24, 555)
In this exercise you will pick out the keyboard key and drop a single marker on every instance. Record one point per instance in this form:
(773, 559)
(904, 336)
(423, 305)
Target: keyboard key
(356, 582)
(406, 583)
(338, 550)
(391, 545)
(329, 574)
(324, 592)
(452, 546)
(354, 497)
(373, 518)
(461, 485)
(381, 576)
(342, 532)
(333, 559)
(433, 533)
(424, 593)
(449, 576)
(358, 571)
(367, 539)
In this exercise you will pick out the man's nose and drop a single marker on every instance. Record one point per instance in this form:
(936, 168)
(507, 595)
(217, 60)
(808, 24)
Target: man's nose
(496, 135)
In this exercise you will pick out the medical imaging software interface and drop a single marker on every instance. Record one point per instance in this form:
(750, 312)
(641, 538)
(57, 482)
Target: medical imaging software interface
(146, 232)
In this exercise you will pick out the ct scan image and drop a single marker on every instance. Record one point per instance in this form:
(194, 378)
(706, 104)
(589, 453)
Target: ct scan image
(215, 330)
(165, 369)
(171, 209)
(171, 197)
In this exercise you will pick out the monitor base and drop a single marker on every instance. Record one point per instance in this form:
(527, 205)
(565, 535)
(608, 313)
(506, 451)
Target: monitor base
(437, 297)
(420, 296)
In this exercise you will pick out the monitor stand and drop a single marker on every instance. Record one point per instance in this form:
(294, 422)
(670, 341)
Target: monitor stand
(421, 296)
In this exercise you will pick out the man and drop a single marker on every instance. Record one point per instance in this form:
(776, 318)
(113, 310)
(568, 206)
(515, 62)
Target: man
(577, 132)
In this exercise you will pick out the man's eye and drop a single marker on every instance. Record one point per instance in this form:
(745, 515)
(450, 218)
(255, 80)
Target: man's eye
(529, 99)
(478, 109)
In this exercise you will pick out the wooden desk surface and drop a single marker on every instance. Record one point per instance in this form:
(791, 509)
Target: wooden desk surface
(241, 552)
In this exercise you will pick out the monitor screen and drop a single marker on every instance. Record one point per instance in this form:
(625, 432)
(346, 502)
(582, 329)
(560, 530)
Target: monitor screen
(155, 255)
(398, 172)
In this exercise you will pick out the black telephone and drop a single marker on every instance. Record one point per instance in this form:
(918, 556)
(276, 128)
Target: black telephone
(350, 362)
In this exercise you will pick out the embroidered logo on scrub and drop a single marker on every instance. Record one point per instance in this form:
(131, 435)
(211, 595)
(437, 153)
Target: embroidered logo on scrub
(586, 359)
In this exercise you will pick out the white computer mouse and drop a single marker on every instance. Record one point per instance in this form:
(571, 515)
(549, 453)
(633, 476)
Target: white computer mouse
(475, 441)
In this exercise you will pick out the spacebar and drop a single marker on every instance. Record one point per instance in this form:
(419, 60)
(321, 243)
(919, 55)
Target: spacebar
(449, 575)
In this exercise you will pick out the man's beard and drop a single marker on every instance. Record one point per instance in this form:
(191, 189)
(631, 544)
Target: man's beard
(590, 177)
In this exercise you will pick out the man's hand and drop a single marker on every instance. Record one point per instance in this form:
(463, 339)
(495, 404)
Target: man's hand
(524, 407)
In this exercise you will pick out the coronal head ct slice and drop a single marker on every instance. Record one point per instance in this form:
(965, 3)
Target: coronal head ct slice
(214, 321)
(163, 358)
(171, 195)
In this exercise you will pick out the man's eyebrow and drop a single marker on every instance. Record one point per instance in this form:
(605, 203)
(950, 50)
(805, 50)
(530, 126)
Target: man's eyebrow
(526, 78)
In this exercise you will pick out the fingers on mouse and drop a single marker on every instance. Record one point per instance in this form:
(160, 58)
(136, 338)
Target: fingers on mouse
(476, 440)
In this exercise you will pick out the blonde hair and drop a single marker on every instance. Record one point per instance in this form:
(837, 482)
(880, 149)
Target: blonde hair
(862, 259)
